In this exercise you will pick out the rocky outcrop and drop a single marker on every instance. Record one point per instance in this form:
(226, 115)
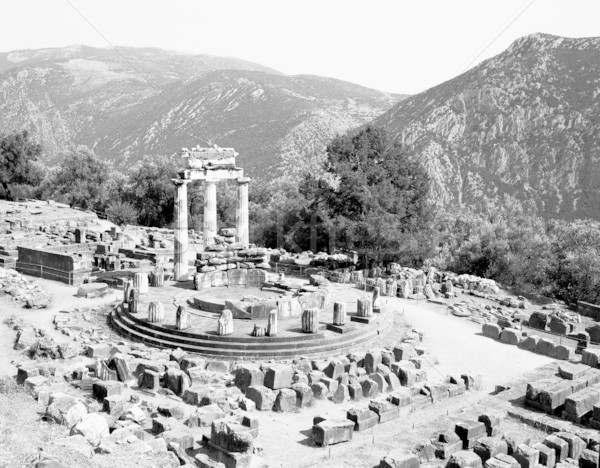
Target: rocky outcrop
(522, 123)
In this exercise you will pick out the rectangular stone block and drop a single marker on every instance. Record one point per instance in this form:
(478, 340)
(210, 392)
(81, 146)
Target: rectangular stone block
(330, 431)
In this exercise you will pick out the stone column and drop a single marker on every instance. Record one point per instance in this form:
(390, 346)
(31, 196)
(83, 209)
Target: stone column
(210, 212)
(241, 212)
(181, 230)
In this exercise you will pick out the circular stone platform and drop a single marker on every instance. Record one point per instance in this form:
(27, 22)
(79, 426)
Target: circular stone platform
(202, 338)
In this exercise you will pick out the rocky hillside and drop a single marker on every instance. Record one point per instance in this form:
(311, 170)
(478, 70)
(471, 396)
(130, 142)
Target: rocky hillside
(526, 122)
(135, 102)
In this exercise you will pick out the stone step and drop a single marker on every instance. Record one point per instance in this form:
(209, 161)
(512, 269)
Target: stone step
(242, 349)
(239, 343)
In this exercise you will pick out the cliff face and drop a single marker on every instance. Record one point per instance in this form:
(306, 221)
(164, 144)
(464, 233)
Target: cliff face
(525, 122)
(153, 102)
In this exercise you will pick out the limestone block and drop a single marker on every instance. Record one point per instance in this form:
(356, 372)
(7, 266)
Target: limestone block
(205, 415)
(362, 418)
(491, 330)
(278, 376)
(404, 352)
(127, 287)
(263, 397)
(248, 375)
(538, 320)
(334, 369)
(576, 444)
(529, 343)
(545, 347)
(157, 277)
(258, 331)
(225, 323)
(590, 357)
(547, 455)
(304, 394)
(376, 304)
(488, 447)
(320, 390)
(65, 409)
(149, 380)
(341, 394)
(339, 313)
(464, 459)
(182, 318)
(372, 360)
(563, 352)
(559, 445)
(310, 321)
(384, 409)
(272, 324)
(156, 312)
(369, 388)
(183, 438)
(399, 458)
(510, 336)
(330, 431)
(134, 300)
(121, 363)
(285, 401)
(103, 389)
(93, 427)
(364, 307)
(140, 282)
(177, 381)
(527, 456)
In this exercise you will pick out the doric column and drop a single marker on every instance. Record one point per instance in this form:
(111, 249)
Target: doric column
(241, 212)
(181, 230)
(210, 212)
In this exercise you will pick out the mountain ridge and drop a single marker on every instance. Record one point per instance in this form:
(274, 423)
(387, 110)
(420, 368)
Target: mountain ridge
(521, 123)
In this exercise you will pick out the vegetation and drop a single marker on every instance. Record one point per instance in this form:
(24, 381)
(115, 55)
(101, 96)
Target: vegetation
(19, 173)
(370, 197)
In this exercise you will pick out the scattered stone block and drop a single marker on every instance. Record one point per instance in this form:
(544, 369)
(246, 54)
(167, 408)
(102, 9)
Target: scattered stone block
(588, 459)
(384, 409)
(278, 376)
(510, 336)
(205, 415)
(106, 388)
(576, 444)
(304, 395)
(464, 459)
(181, 437)
(93, 427)
(263, 397)
(488, 447)
(320, 390)
(560, 447)
(527, 456)
(547, 455)
(362, 418)
(285, 400)
(330, 431)
(341, 394)
(491, 330)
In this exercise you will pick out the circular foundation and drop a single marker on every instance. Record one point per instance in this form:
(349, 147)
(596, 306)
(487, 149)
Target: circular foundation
(202, 338)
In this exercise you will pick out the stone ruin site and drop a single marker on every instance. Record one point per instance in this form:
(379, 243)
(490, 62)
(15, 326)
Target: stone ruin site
(208, 262)
(145, 347)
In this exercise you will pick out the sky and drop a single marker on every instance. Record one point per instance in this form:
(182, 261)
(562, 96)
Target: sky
(391, 45)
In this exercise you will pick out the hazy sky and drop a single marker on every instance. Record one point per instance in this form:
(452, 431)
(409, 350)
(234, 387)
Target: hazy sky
(391, 45)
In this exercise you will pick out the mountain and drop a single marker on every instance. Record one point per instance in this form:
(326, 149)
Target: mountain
(525, 122)
(127, 103)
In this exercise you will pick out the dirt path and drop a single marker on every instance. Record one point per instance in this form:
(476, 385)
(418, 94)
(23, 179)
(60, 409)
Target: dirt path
(458, 345)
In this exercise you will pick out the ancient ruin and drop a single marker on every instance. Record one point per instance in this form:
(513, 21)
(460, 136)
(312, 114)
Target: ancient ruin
(207, 350)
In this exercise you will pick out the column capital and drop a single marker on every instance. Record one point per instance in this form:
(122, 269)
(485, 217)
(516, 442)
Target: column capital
(243, 180)
(181, 181)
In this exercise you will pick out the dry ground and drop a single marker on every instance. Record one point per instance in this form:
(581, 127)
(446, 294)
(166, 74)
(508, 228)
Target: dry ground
(456, 342)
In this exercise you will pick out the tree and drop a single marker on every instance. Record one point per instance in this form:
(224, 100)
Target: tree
(19, 172)
(121, 212)
(82, 179)
(151, 191)
(374, 198)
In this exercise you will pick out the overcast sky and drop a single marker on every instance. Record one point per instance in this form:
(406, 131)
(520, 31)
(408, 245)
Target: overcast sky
(391, 45)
